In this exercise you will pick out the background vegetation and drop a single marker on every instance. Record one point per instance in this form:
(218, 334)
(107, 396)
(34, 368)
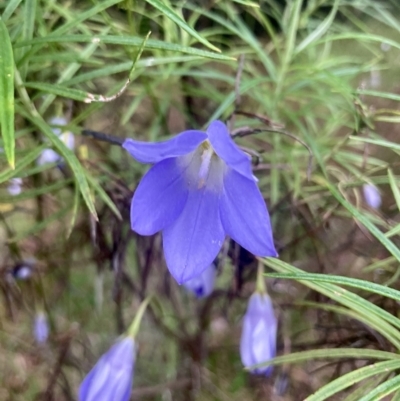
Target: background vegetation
(319, 82)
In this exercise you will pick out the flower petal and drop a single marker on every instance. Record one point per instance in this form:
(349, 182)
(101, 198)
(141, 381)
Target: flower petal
(227, 150)
(193, 241)
(146, 152)
(244, 215)
(159, 198)
(246, 353)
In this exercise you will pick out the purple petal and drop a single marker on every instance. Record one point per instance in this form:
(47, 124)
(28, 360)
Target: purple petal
(244, 215)
(159, 198)
(193, 241)
(227, 150)
(179, 145)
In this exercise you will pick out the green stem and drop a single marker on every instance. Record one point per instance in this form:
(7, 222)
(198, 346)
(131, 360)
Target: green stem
(134, 327)
(260, 285)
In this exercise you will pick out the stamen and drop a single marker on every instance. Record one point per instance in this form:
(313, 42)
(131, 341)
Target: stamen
(205, 165)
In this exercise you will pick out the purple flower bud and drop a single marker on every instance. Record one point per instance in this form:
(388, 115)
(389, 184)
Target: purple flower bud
(203, 284)
(41, 328)
(372, 196)
(112, 376)
(258, 342)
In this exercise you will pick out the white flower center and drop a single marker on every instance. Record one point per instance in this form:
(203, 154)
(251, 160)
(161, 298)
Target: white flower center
(203, 168)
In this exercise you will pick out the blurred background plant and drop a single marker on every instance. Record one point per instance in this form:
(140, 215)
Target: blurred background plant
(310, 90)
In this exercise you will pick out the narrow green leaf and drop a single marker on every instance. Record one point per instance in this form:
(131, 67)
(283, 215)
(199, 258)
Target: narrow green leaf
(383, 390)
(22, 163)
(378, 142)
(59, 90)
(341, 280)
(320, 30)
(33, 193)
(396, 397)
(394, 187)
(377, 316)
(355, 36)
(366, 387)
(79, 17)
(103, 195)
(333, 353)
(7, 94)
(384, 95)
(294, 20)
(133, 41)
(352, 378)
(11, 7)
(28, 27)
(247, 3)
(75, 209)
(173, 16)
(381, 327)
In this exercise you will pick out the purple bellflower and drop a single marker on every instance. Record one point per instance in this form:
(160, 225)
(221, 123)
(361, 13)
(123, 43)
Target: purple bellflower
(112, 376)
(258, 341)
(200, 189)
(40, 328)
(203, 284)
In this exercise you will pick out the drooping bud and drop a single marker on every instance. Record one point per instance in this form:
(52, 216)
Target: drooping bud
(203, 284)
(258, 341)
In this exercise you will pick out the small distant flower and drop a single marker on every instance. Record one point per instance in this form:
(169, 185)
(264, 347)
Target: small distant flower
(22, 272)
(14, 186)
(203, 284)
(49, 155)
(258, 342)
(372, 196)
(112, 376)
(41, 328)
(200, 189)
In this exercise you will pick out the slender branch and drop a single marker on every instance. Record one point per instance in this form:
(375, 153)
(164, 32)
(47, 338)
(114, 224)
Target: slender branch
(100, 136)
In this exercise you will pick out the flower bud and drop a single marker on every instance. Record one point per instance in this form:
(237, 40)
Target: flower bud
(112, 376)
(258, 342)
(372, 196)
(41, 328)
(203, 284)
(15, 186)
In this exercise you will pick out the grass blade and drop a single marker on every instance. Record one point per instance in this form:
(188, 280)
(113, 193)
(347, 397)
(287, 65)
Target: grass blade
(348, 281)
(173, 16)
(352, 378)
(7, 94)
(133, 41)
